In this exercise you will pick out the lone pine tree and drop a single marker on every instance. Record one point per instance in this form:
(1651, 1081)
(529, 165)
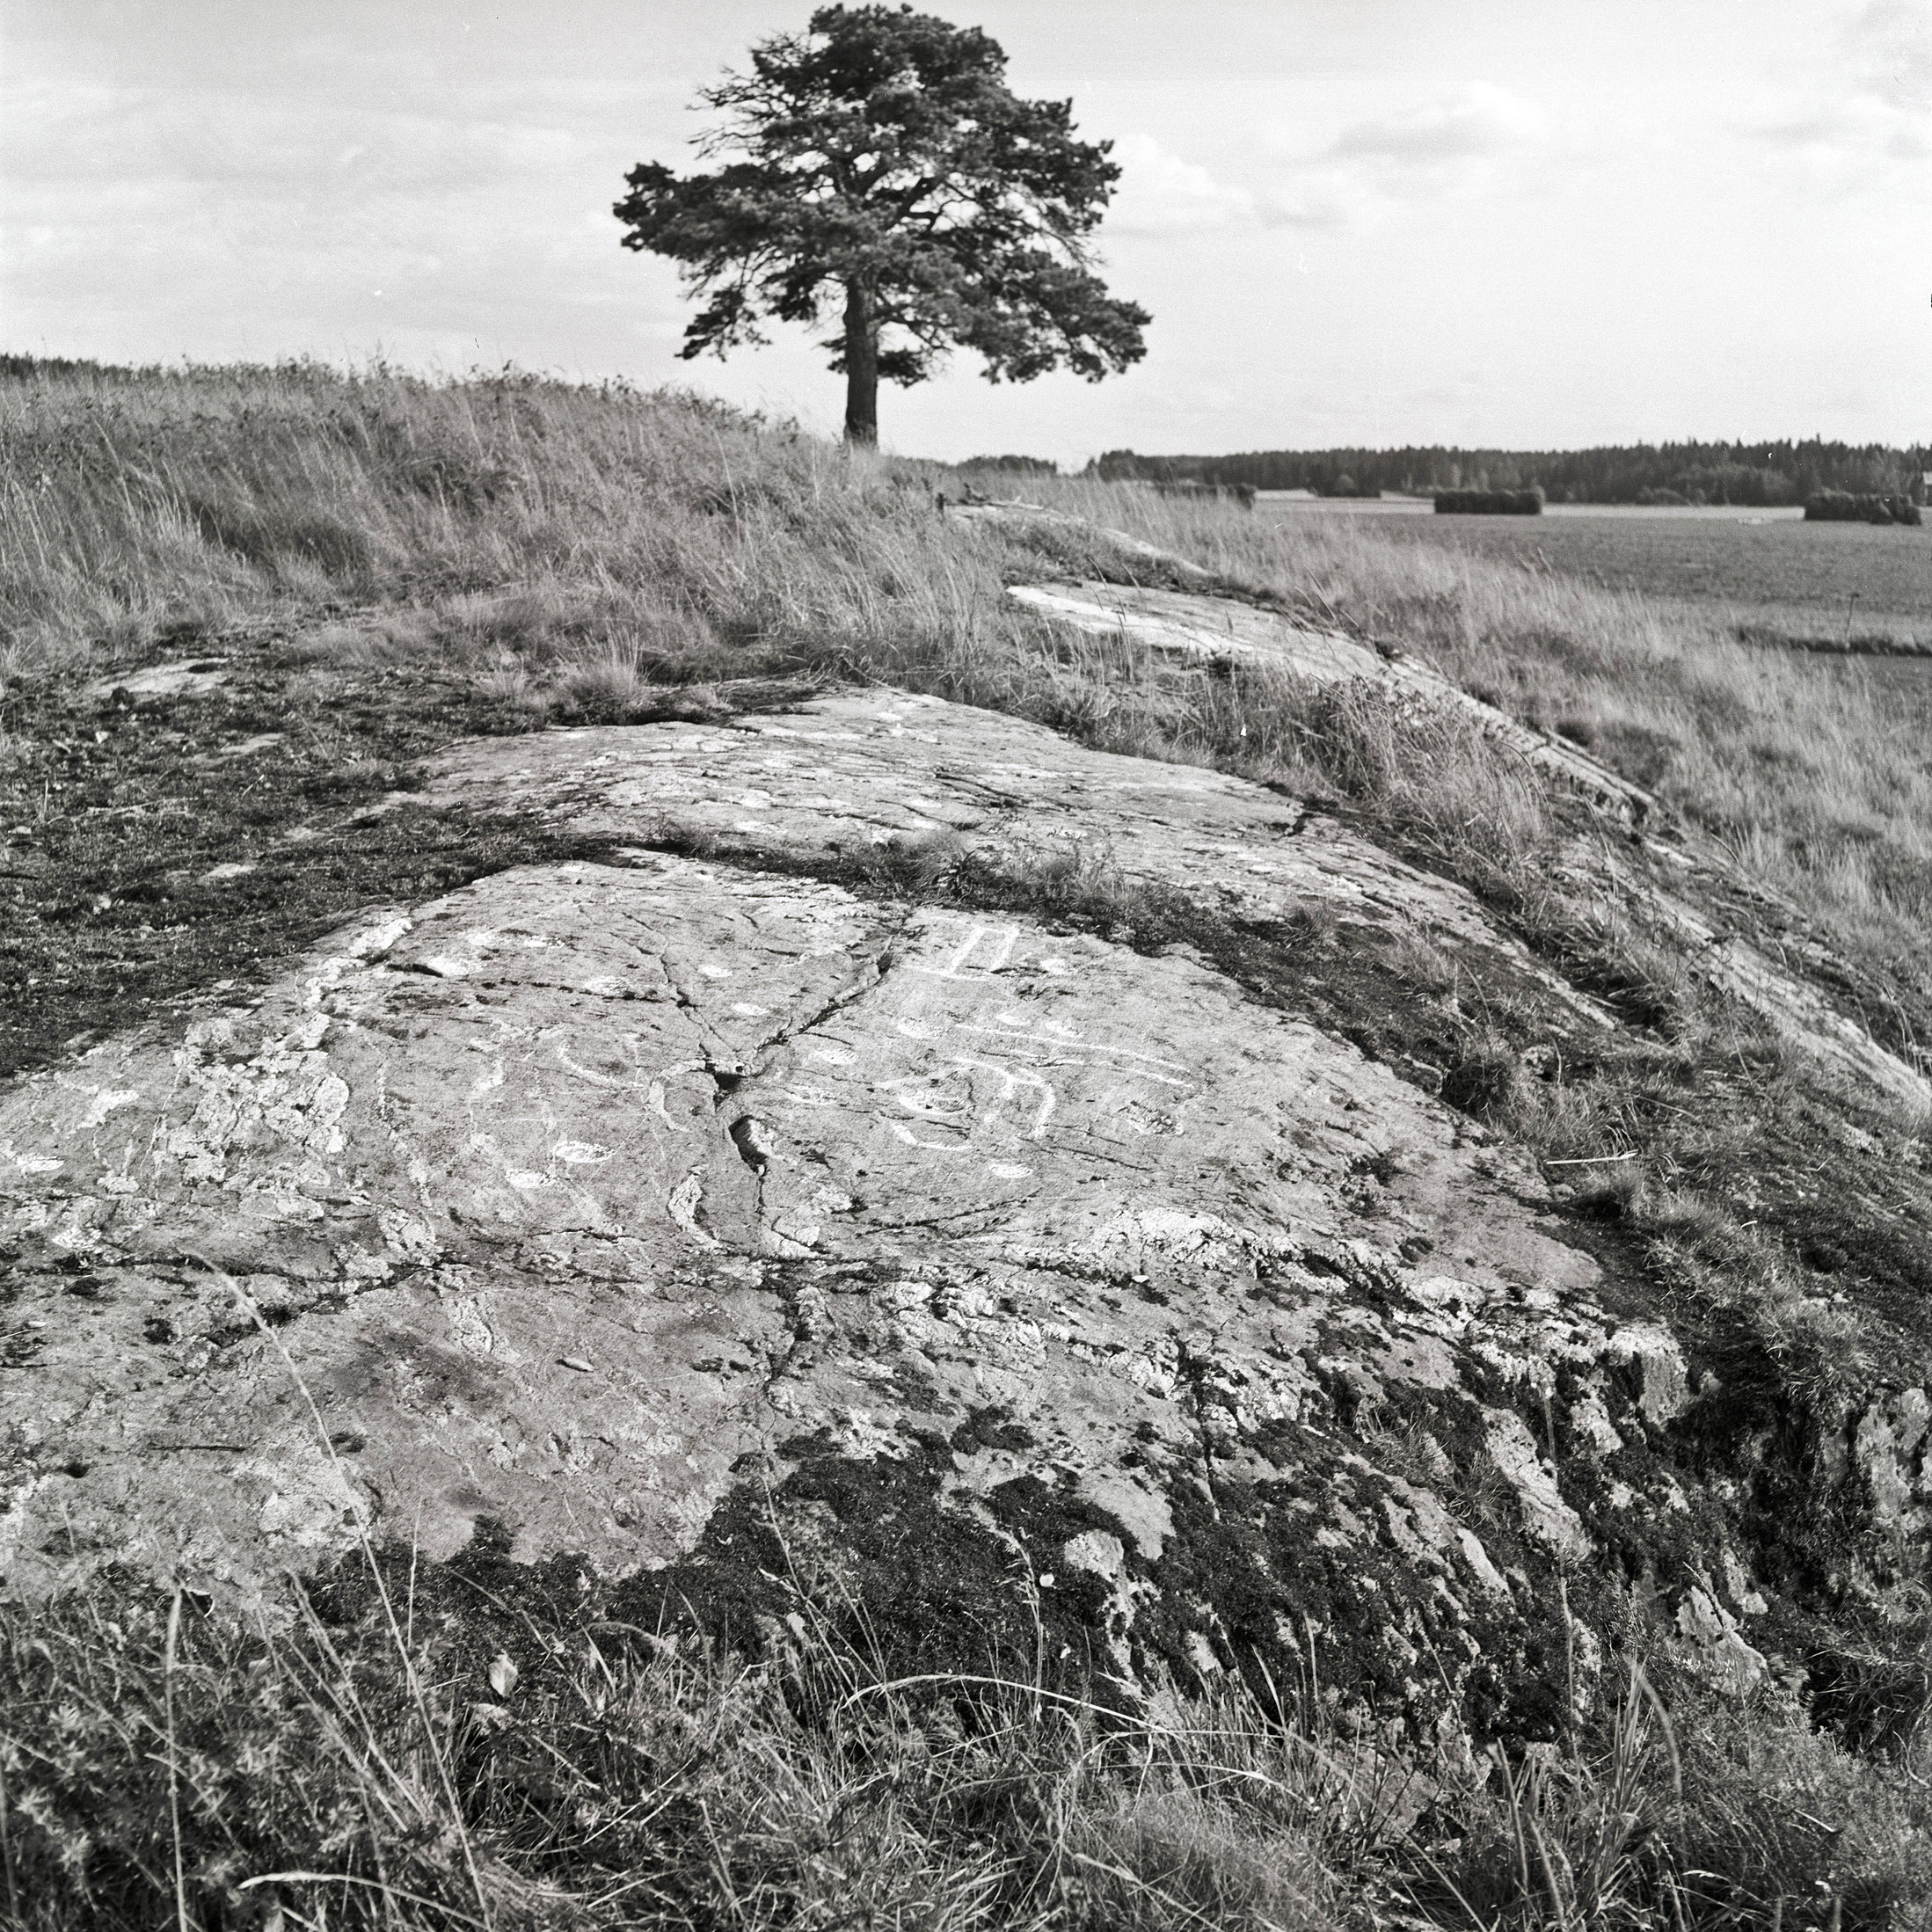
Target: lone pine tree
(879, 165)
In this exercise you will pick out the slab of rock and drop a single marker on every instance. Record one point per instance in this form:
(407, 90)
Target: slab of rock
(1729, 961)
(193, 678)
(1141, 558)
(615, 1207)
(1205, 627)
(859, 770)
(1198, 625)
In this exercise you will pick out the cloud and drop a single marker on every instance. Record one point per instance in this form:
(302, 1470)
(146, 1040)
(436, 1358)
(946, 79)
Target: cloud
(1446, 148)
(1481, 123)
(1844, 137)
(1866, 103)
(1160, 194)
(1452, 147)
(1892, 40)
(226, 139)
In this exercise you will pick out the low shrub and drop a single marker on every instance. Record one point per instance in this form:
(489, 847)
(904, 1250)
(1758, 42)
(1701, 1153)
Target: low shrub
(1489, 502)
(1842, 506)
(1243, 493)
(1024, 466)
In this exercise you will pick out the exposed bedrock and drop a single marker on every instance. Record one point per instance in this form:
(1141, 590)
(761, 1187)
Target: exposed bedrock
(1735, 950)
(704, 1219)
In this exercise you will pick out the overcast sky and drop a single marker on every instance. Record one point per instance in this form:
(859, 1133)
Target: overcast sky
(1526, 223)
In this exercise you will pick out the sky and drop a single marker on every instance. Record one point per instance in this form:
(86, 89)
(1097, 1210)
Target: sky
(1526, 223)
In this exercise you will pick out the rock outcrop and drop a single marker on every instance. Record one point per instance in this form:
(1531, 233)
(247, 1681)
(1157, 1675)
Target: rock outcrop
(1193, 625)
(720, 1188)
(1652, 886)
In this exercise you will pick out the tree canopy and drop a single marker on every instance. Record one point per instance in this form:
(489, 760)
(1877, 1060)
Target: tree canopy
(1760, 473)
(878, 165)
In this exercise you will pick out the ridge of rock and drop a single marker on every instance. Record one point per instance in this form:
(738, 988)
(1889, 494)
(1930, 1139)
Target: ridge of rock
(1198, 626)
(602, 1206)
(642, 1210)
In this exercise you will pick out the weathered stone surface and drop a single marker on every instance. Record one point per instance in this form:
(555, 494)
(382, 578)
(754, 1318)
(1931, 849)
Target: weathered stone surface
(1729, 961)
(594, 1198)
(1197, 626)
(1192, 625)
(175, 680)
(856, 771)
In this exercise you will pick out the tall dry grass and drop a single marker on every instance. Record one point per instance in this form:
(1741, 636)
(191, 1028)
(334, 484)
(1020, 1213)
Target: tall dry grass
(548, 519)
(523, 1764)
(552, 530)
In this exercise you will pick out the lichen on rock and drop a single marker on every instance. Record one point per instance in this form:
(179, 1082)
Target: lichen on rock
(672, 1209)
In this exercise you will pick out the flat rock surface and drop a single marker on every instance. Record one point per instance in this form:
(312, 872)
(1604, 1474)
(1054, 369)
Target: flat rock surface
(594, 1196)
(857, 770)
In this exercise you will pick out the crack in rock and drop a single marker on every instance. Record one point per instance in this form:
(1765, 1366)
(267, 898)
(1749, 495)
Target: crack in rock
(1078, 1236)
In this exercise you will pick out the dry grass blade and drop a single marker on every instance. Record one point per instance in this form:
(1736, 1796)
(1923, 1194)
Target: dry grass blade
(174, 1779)
(389, 1892)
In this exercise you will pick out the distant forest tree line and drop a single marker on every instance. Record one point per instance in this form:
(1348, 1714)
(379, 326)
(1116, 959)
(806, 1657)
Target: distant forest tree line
(1761, 473)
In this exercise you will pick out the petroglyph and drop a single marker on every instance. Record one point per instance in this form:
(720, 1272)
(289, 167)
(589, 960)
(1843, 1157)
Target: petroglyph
(844, 773)
(620, 1189)
(587, 1195)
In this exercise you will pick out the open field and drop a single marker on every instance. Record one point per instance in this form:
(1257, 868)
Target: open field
(1764, 567)
(379, 566)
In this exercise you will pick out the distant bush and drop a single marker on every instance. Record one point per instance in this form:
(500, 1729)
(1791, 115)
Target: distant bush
(1843, 507)
(1243, 493)
(1661, 499)
(1025, 466)
(1489, 503)
(14, 367)
(1346, 485)
(1753, 485)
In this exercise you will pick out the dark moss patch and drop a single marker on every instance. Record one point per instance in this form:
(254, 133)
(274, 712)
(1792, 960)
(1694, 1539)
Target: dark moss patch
(483, 1601)
(118, 813)
(989, 1428)
(1347, 1618)
(1483, 1077)
(867, 1548)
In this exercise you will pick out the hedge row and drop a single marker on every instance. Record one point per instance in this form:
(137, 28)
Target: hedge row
(1841, 507)
(1489, 503)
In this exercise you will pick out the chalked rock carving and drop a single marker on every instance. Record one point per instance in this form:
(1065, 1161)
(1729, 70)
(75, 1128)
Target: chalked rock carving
(603, 1203)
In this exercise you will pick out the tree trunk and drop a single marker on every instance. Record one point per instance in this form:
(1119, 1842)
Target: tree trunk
(861, 365)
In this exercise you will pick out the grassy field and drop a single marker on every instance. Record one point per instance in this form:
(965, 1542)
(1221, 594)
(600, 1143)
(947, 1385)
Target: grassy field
(1769, 569)
(386, 565)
